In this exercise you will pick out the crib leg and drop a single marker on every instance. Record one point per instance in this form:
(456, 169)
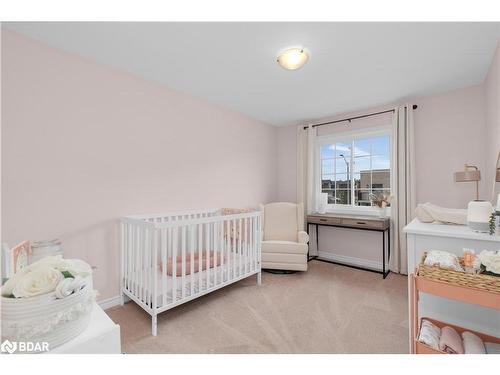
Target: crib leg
(154, 325)
(259, 278)
(122, 299)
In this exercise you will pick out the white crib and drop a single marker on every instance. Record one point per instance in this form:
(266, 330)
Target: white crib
(169, 259)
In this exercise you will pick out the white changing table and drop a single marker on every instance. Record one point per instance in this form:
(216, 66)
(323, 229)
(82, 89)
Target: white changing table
(102, 336)
(422, 237)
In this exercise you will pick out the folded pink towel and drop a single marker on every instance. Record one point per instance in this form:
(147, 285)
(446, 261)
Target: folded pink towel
(473, 344)
(450, 341)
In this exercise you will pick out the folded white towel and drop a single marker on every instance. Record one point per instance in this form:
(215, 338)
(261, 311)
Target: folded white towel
(429, 334)
(472, 343)
(68, 286)
(442, 259)
(428, 213)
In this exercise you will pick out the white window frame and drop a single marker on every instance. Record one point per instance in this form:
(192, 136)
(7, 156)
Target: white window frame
(342, 137)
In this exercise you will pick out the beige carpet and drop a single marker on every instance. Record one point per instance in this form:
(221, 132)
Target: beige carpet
(329, 309)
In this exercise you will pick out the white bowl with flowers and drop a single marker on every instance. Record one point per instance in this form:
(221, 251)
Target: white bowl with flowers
(48, 301)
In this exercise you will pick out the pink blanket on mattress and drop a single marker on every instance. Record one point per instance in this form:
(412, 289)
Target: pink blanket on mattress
(214, 259)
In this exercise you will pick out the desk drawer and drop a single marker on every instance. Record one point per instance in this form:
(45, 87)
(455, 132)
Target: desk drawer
(376, 224)
(323, 220)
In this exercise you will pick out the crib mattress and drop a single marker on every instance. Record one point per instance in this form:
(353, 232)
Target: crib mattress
(169, 286)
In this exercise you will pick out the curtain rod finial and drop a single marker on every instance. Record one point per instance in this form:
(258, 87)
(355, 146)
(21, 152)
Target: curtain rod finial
(415, 106)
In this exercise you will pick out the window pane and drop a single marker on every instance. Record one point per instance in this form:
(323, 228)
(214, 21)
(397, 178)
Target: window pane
(327, 151)
(327, 182)
(381, 162)
(342, 181)
(357, 178)
(331, 195)
(327, 166)
(343, 148)
(362, 163)
(380, 192)
(365, 180)
(381, 179)
(362, 147)
(342, 165)
(362, 197)
(381, 145)
(343, 197)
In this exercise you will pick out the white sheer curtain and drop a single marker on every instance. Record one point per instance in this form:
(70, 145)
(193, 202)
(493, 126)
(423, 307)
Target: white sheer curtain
(306, 139)
(403, 183)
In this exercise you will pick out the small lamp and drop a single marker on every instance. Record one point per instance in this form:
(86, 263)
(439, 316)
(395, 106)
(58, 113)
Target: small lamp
(470, 174)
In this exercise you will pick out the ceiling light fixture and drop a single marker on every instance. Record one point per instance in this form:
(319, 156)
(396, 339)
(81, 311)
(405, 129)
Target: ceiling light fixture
(293, 58)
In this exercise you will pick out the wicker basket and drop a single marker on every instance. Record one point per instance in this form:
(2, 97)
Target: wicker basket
(477, 281)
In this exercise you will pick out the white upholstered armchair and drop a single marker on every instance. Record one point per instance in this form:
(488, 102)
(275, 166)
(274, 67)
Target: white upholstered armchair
(284, 243)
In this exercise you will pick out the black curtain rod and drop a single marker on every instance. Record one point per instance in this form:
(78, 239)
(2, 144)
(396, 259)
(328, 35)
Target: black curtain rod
(355, 118)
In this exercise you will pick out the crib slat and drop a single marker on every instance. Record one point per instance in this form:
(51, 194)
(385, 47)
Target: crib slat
(183, 264)
(125, 254)
(200, 255)
(191, 256)
(163, 268)
(228, 250)
(252, 241)
(240, 255)
(139, 262)
(143, 265)
(245, 244)
(153, 266)
(216, 248)
(133, 263)
(175, 239)
(169, 254)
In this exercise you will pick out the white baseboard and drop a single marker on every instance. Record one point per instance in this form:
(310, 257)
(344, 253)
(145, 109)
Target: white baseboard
(111, 302)
(365, 263)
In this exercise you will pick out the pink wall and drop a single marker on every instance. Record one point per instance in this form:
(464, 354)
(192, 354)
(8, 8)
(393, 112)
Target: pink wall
(83, 145)
(450, 131)
(492, 101)
(287, 164)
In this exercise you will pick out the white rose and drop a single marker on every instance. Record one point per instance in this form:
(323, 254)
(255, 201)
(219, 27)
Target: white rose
(75, 267)
(68, 286)
(9, 285)
(490, 260)
(51, 261)
(41, 280)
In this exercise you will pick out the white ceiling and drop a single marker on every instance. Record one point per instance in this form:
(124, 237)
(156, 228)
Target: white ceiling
(351, 66)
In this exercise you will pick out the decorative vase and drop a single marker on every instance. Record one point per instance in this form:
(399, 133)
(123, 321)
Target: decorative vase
(382, 211)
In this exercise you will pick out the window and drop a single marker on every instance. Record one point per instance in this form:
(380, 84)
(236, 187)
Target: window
(353, 167)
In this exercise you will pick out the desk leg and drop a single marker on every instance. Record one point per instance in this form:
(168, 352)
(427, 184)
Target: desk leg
(317, 239)
(389, 242)
(383, 255)
(307, 231)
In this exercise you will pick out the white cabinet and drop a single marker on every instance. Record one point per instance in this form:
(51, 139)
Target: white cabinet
(102, 336)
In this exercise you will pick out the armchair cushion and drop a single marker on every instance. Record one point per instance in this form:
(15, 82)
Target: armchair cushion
(280, 222)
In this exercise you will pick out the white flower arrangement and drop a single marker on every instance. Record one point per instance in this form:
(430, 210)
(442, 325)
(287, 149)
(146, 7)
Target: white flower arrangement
(490, 261)
(49, 274)
(380, 200)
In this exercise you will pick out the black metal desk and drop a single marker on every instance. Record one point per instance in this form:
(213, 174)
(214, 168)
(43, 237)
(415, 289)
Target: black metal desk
(368, 223)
